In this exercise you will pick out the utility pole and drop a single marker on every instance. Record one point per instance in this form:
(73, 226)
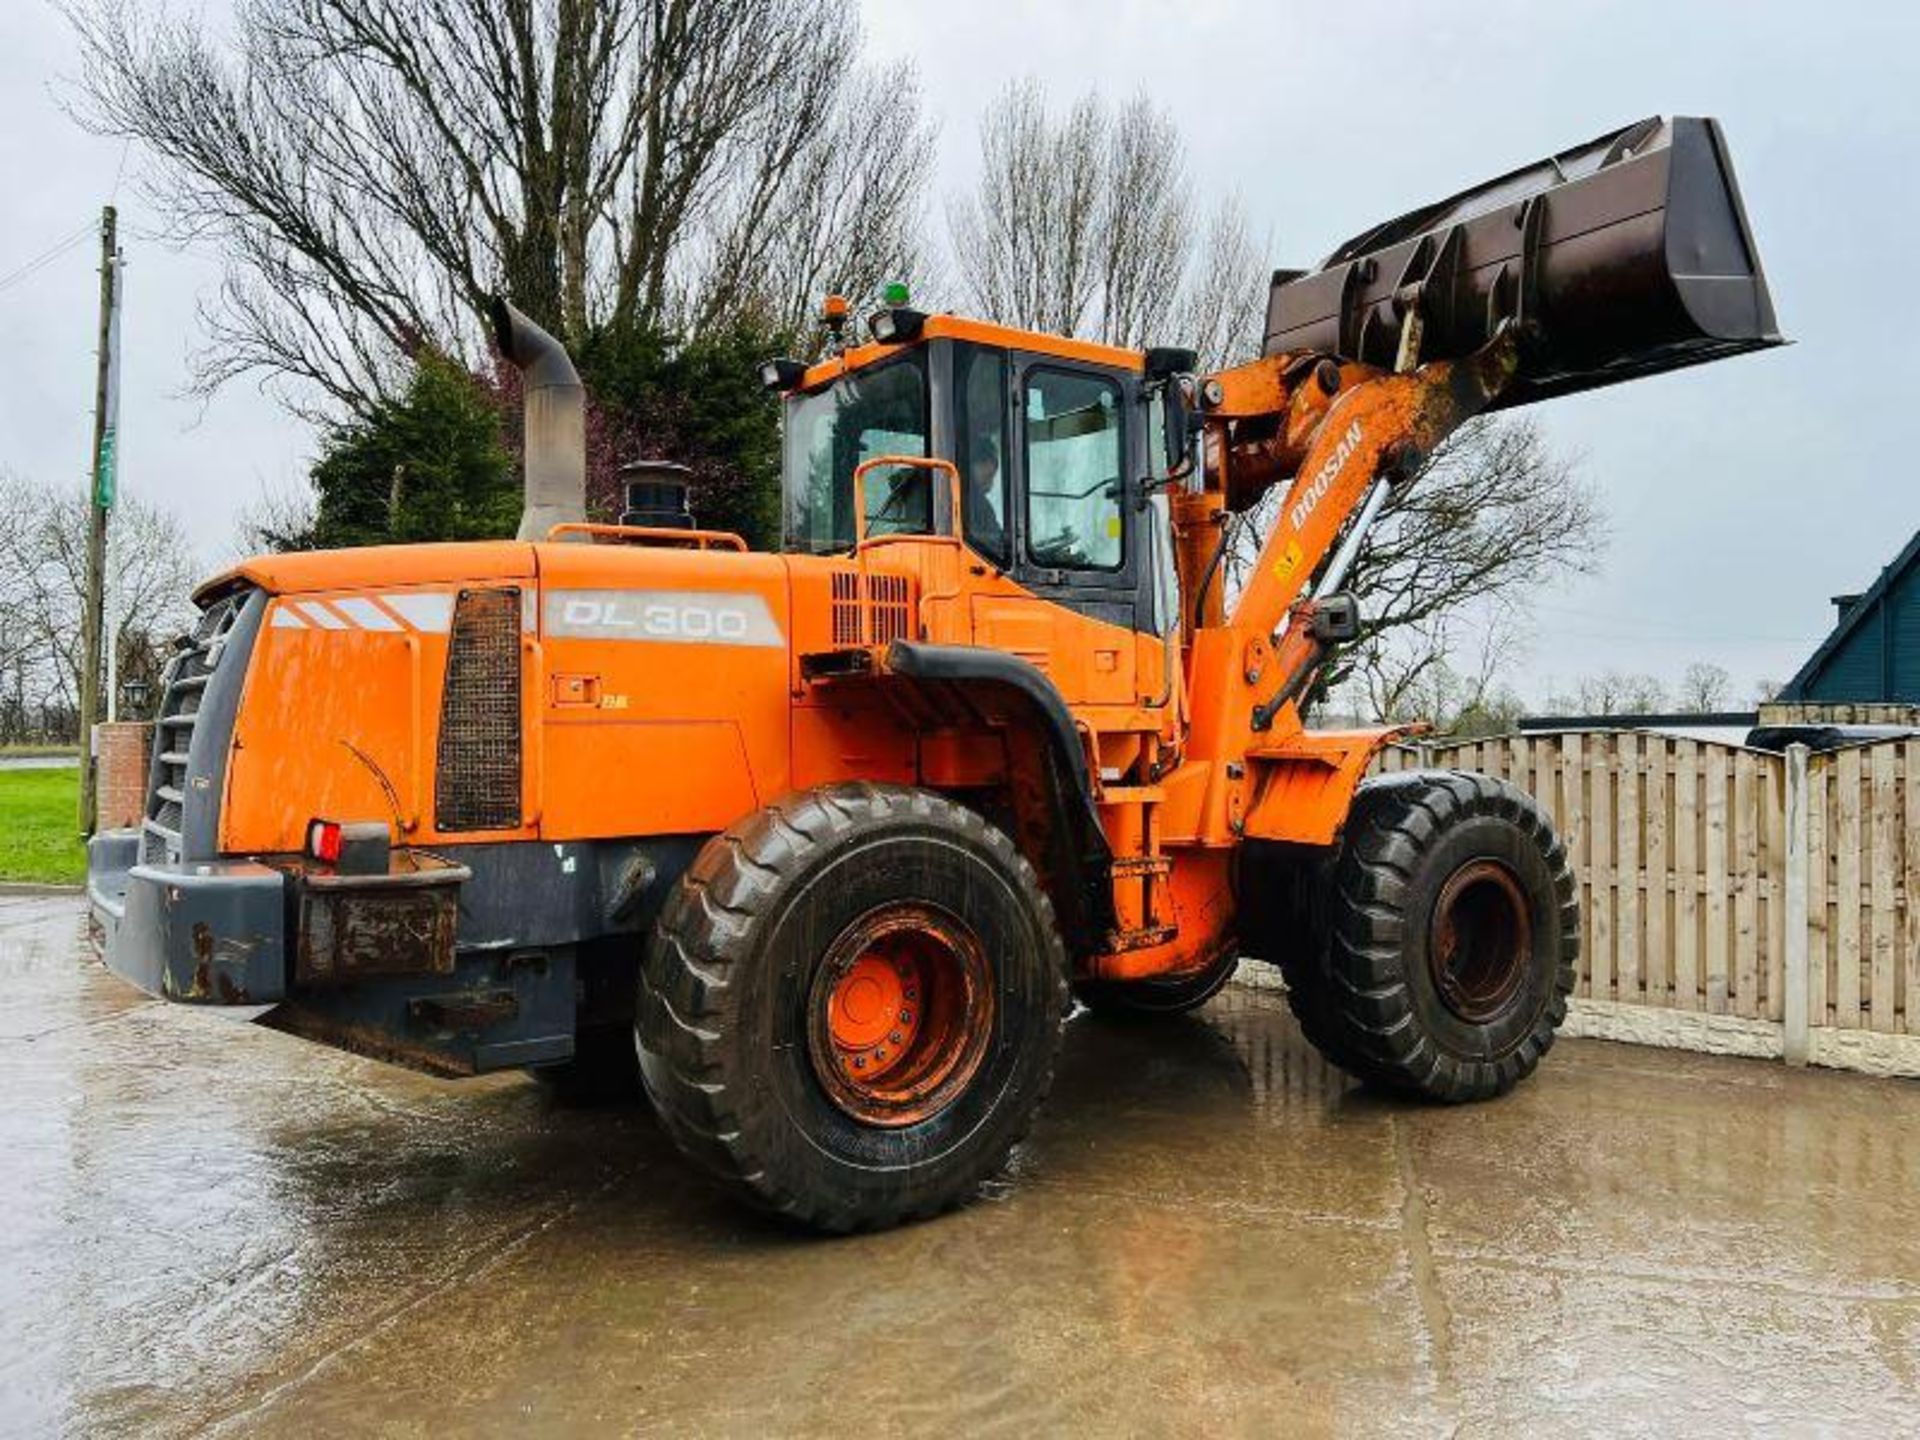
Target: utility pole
(100, 495)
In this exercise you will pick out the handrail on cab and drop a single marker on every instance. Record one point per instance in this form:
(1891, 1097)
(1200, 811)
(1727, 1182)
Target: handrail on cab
(910, 462)
(653, 535)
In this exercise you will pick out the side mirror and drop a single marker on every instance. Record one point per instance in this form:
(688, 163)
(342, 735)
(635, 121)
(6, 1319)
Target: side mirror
(1176, 429)
(1336, 619)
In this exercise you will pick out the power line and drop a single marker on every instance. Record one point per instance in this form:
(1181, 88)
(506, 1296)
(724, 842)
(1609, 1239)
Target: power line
(45, 257)
(60, 247)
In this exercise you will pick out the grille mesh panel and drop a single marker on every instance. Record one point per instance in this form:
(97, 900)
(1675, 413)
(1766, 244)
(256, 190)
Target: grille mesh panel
(846, 608)
(887, 597)
(477, 770)
(883, 609)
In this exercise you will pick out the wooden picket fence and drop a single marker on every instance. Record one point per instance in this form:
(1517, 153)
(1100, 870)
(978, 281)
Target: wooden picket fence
(1780, 891)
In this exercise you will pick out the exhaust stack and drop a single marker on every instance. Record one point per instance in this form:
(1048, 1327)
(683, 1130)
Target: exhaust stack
(555, 424)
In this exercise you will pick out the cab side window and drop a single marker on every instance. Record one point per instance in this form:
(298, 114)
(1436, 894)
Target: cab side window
(1075, 515)
(980, 377)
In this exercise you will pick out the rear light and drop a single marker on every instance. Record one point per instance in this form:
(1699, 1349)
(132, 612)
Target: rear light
(323, 841)
(356, 847)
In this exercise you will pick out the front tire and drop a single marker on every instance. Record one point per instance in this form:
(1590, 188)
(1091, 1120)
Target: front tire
(1453, 930)
(851, 1005)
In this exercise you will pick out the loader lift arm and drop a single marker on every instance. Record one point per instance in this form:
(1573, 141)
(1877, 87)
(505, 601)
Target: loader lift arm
(1346, 435)
(1376, 431)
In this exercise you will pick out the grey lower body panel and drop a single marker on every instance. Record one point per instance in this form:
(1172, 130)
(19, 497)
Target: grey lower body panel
(207, 932)
(224, 933)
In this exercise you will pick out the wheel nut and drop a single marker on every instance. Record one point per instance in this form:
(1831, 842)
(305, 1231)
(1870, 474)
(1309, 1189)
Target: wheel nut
(906, 1017)
(859, 1062)
(894, 1038)
(880, 1054)
(909, 992)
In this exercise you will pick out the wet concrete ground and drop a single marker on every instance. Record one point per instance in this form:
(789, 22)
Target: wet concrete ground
(214, 1227)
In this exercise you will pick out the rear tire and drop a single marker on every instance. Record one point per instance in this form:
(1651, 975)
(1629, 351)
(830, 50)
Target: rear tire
(1452, 933)
(768, 1039)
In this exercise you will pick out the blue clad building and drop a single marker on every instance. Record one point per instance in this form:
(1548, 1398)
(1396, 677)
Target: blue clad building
(1872, 655)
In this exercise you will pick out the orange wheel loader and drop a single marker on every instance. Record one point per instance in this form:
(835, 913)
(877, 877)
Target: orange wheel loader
(834, 838)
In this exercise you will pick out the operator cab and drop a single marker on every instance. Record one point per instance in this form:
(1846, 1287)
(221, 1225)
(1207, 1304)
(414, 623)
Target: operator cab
(1050, 437)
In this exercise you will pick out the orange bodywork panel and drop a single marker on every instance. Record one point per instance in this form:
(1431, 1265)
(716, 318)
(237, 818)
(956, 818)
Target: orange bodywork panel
(308, 741)
(688, 651)
(637, 718)
(654, 691)
(376, 566)
(1197, 912)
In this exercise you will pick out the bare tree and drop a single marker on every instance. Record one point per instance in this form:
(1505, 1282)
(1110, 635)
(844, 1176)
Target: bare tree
(374, 169)
(1612, 692)
(1445, 670)
(1225, 304)
(1704, 688)
(43, 533)
(1492, 517)
(1024, 239)
(1084, 224)
(1143, 229)
(277, 518)
(843, 214)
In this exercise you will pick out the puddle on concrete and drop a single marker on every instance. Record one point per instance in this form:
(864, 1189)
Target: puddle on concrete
(216, 1226)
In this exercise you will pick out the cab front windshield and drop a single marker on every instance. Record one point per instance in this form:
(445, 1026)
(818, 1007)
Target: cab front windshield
(867, 413)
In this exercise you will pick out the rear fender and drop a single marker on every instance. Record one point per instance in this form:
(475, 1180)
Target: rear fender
(1063, 834)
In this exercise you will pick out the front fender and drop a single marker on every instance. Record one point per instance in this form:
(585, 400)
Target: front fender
(1303, 783)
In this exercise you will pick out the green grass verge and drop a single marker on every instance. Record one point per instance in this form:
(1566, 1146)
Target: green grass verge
(34, 752)
(40, 826)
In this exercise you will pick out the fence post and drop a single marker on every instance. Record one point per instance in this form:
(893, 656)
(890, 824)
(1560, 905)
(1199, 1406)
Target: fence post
(1796, 1039)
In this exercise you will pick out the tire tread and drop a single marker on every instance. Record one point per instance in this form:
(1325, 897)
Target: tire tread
(736, 886)
(1347, 988)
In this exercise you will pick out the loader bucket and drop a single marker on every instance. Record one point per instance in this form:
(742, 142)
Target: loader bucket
(1626, 256)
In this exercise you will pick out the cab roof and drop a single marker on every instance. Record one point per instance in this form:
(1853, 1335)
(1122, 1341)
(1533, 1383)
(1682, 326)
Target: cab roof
(981, 332)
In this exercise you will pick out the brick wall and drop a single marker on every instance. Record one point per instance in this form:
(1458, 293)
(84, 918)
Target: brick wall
(124, 747)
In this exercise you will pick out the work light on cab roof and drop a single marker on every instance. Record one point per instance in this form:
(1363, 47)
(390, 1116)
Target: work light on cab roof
(897, 324)
(781, 374)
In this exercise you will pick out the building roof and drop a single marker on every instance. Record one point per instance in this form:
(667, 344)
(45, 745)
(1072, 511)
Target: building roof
(1872, 653)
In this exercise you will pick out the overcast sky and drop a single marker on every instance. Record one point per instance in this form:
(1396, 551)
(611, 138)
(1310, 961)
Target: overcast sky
(1741, 495)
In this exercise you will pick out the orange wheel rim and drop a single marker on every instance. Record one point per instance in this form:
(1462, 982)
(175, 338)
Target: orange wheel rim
(900, 1013)
(1480, 944)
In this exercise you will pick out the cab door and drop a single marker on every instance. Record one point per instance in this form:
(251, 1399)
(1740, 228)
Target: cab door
(1073, 550)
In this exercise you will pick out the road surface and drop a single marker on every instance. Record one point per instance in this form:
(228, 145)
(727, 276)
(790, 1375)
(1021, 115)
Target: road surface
(217, 1228)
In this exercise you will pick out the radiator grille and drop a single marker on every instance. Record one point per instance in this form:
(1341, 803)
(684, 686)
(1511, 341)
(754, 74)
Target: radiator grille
(196, 656)
(477, 769)
(884, 609)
